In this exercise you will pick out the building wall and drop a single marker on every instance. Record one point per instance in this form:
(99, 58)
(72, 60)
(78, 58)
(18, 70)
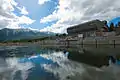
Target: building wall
(105, 34)
(87, 28)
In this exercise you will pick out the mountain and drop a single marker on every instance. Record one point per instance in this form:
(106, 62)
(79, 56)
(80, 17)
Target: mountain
(17, 34)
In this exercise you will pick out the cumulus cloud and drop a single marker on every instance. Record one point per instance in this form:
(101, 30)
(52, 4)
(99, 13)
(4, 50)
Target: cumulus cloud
(15, 23)
(25, 20)
(3, 23)
(42, 1)
(71, 12)
(23, 10)
(8, 19)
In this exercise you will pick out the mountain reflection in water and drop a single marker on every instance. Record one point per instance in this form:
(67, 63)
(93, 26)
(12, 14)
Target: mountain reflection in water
(34, 63)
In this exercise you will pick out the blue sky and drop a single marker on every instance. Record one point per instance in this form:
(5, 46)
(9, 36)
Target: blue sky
(115, 21)
(55, 15)
(36, 11)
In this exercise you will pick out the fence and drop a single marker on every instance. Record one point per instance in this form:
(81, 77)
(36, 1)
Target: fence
(87, 41)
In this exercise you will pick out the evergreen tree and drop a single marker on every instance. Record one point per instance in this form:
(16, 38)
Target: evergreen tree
(111, 27)
(106, 25)
(105, 22)
(64, 34)
(57, 35)
(118, 24)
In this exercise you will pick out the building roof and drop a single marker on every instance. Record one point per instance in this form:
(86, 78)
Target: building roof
(91, 25)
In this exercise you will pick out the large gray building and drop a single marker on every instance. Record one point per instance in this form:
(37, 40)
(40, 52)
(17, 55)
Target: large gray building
(87, 29)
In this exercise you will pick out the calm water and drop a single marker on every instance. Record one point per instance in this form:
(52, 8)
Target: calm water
(35, 63)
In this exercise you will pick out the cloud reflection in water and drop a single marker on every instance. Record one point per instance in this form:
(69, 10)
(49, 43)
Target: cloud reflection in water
(10, 66)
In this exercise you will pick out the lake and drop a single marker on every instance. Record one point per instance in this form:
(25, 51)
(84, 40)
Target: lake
(36, 63)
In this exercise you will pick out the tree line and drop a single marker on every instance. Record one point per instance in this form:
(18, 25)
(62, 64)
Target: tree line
(112, 27)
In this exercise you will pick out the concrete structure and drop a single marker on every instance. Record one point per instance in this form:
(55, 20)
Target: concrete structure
(117, 30)
(87, 29)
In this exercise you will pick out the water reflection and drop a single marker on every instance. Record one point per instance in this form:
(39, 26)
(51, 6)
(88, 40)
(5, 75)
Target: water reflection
(71, 70)
(35, 63)
(10, 67)
(88, 58)
(25, 64)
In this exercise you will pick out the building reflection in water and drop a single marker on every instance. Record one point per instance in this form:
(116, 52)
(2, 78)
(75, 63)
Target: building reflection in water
(89, 58)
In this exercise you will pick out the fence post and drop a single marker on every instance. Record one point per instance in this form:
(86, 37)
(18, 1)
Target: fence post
(96, 43)
(114, 43)
(82, 43)
(67, 43)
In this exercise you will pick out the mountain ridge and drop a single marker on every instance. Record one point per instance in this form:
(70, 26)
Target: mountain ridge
(17, 34)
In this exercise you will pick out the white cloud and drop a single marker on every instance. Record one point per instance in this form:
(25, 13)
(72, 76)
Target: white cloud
(14, 3)
(56, 28)
(9, 19)
(33, 29)
(71, 12)
(23, 10)
(42, 1)
(25, 20)
(15, 23)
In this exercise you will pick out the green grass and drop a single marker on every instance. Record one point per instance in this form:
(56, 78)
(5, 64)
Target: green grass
(27, 40)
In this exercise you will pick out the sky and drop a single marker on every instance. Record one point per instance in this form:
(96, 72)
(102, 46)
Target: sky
(54, 15)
